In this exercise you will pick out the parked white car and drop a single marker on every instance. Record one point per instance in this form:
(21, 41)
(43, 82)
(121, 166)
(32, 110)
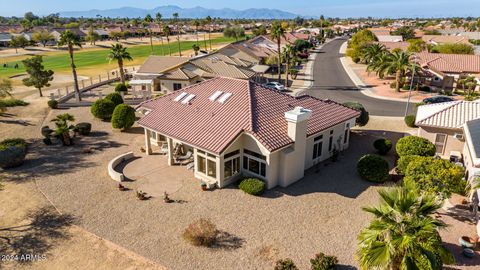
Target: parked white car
(275, 85)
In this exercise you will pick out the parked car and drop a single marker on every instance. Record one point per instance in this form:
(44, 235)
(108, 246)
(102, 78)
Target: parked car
(437, 99)
(275, 86)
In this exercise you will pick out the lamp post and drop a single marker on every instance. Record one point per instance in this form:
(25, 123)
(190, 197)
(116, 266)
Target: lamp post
(411, 84)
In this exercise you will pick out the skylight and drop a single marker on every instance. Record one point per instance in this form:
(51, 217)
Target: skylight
(179, 97)
(187, 99)
(215, 95)
(224, 97)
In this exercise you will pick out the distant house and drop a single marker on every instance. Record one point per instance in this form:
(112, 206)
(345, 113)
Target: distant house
(439, 39)
(389, 38)
(443, 124)
(5, 39)
(230, 128)
(57, 32)
(103, 34)
(395, 45)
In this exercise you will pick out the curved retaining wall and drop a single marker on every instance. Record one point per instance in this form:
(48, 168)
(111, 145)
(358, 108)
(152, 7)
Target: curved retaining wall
(118, 176)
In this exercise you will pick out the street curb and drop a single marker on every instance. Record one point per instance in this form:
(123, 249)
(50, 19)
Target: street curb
(364, 89)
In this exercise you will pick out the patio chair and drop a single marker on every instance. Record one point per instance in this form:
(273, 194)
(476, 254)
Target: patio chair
(188, 155)
(190, 165)
(164, 149)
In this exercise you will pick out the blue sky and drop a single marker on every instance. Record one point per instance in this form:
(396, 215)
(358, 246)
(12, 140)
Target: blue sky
(332, 8)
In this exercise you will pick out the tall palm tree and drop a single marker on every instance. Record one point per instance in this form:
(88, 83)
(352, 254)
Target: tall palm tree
(63, 128)
(71, 40)
(204, 22)
(147, 20)
(209, 22)
(403, 235)
(371, 51)
(277, 32)
(175, 19)
(167, 32)
(398, 63)
(119, 53)
(196, 23)
(158, 19)
(288, 56)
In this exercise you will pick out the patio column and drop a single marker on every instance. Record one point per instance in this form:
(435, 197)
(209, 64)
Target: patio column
(148, 144)
(170, 151)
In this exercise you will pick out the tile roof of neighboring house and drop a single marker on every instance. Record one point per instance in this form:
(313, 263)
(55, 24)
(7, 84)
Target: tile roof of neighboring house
(157, 64)
(439, 39)
(76, 31)
(450, 63)
(396, 45)
(252, 109)
(472, 136)
(389, 38)
(380, 31)
(178, 74)
(452, 115)
(216, 65)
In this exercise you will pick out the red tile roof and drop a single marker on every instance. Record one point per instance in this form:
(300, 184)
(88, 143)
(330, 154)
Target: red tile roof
(252, 108)
(450, 63)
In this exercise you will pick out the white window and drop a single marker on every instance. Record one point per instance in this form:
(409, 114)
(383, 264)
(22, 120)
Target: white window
(206, 164)
(232, 164)
(317, 147)
(153, 135)
(254, 163)
(440, 140)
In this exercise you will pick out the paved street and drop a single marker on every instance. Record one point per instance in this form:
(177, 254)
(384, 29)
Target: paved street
(332, 82)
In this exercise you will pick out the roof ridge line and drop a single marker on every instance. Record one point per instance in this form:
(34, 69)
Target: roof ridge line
(454, 103)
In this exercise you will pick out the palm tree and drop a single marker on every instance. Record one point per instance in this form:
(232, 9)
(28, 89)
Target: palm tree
(63, 129)
(403, 235)
(71, 40)
(196, 48)
(209, 20)
(158, 19)
(288, 56)
(175, 19)
(398, 63)
(147, 20)
(277, 32)
(167, 31)
(370, 52)
(196, 23)
(468, 84)
(119, 53)
(377, 63)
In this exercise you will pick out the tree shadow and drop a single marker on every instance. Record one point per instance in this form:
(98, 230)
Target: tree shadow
(17, 122)
(227, 241)
(45, 228)
(461, 260)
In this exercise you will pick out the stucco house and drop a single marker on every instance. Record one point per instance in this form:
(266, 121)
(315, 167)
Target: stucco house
(231, 128)
(443, 124)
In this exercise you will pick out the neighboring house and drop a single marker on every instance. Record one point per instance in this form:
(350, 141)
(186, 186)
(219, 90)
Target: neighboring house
(438, 39)
(471, 150)
(444, 125)
(5, 39)
(395, 45)
(446, 68)
(57, 32)
(103, 34)
(233, 128)
(381, 31)
(389, 38)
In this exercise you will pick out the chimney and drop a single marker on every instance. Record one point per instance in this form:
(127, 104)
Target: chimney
(297, 124)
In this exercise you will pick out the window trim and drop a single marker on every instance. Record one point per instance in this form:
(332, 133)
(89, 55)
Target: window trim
(245, 166)
(208, 157)
(444, 143)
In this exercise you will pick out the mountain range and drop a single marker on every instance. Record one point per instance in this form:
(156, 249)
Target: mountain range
(191, 13)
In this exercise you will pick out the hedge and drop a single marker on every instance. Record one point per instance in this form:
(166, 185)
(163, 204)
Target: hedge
(362, 120)
(373, 168)
(120, 87)
(116, 98)
(123, 117)
(12, 152)
(52, 104)
(102, 108)
(382, 145)
(403, 162)
(414, 145)
(410, 120)
(252, 186)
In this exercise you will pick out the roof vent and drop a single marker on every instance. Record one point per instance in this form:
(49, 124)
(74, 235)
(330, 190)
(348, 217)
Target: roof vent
(224, 97)
(215, 95)
(187, 99)
(179, 97)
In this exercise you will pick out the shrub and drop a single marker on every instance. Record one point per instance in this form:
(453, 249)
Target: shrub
(410, 120)
(362, 120)
(406, 87)
(83, 128)
(120, 87)
(201, 233)
(12, 102)
(373, 168)
(414, 145)
(46, 131)
(102, 108)
(382, 145)
(393, 85)
(285, 264)
(252, 186)
(116, 98)
(403, 162)
(52, 104)
(323, 262)
(12, 152)
(123, 117)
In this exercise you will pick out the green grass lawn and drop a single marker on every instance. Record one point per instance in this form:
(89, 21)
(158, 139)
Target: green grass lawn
(92, 58)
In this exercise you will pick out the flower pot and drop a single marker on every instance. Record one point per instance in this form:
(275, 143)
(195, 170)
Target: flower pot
(204, 187)
(466, 242)
(469, 253)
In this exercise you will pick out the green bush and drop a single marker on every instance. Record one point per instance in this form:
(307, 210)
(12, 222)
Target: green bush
(414, 145)
(323, 262)
(373, 168)
(12, 152)
(116, 98)
(120, 87)
(12, 102)
(406, 87)
(123, 117)
(52, 104)
(83, 128)
(410, 120)
(285, 264)
(252, 186)
(102, 108)
(403, 162)
(383, 146)
(362, 120)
